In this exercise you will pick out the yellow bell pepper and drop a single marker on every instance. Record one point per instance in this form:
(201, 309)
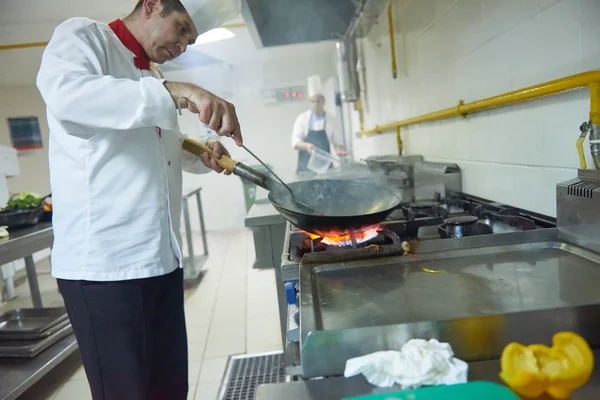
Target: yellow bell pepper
(558, 370)
(520, 371)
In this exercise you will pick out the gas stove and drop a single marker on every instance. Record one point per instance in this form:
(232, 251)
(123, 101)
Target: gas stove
(456, 216)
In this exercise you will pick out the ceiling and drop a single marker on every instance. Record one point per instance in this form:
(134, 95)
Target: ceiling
(27, 21)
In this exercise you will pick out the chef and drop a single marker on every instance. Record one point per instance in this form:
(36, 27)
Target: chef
(314, 129)
(116, 175)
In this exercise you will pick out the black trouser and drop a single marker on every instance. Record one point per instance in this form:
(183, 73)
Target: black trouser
(131, 336)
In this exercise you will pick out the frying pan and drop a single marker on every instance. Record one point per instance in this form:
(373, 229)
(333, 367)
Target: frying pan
(340, 205)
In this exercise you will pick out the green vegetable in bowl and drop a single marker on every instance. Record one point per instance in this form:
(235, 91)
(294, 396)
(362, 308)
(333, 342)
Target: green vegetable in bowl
(23, 201)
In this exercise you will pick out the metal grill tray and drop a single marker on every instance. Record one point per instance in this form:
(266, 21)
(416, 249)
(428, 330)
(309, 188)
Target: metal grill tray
(31, 320)
(31, 348)
(6, 336)
(246, 372)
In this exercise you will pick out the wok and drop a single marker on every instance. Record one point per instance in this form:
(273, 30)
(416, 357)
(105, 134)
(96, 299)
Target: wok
(339, 205)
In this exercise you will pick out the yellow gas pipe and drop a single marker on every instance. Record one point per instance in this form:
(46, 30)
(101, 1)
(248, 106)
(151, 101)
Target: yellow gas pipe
(590, 79)
(399, 140)
(392, 40)
(43, 44)
(359, 109)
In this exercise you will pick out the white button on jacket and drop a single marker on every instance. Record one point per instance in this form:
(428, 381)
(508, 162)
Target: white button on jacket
(116, 183)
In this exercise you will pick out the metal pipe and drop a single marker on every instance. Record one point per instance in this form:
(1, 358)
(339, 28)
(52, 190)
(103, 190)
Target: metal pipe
(590, 79)
(361, 119)
(392, 40)
(595, 144)
(595, 101)
(399, 140)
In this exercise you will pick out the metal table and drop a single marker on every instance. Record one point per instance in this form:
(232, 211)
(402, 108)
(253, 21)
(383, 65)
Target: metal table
(268, 228)
(22, 243)
(193, 264)
(18, 375)
(339, 387)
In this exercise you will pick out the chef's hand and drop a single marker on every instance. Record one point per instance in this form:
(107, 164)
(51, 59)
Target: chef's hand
(309, 147)
(218, 114)
(211, 162)
(339, 150)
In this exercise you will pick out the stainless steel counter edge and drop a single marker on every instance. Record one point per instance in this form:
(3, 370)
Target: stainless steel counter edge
(24, 242)
(261, 214)
(339, 387)
(290, 270)
(18, 375)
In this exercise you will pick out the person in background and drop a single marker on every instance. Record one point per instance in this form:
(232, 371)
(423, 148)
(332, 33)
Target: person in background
(116, 163)
(314, 128)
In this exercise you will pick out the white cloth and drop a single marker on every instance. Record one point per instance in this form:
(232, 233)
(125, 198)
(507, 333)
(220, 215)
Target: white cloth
(419, 363)
(303, 124)
(116, 184)
(210, 14)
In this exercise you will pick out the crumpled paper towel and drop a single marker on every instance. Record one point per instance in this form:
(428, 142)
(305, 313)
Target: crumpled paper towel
(419, 363)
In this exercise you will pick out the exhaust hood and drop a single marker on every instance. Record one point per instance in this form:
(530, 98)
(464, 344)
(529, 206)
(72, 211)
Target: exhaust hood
(285, 22)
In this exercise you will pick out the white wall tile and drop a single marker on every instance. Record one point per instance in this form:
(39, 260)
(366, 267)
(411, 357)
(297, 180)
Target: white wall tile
(500, 16)
(558, 51)
(590, 34)
(480, 48)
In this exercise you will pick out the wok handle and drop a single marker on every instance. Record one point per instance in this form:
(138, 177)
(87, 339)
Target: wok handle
(237, 168)
(197, 148)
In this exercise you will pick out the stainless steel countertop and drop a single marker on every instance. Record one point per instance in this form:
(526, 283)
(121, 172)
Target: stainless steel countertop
(263, 213)
(489, 286)
(19, 374)
(24, 242)
(339, 387)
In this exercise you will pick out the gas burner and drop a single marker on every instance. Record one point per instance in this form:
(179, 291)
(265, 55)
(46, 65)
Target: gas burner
(422, 209)
(509, 215)
(464, 225)
(311, 243)
(461, 220)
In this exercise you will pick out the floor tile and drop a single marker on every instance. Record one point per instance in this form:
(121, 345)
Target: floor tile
(194, 371)
(192, 392)
(263, 333)
(224, 342)
(79, 375)
(204, 299)
(78, 389)
(207, 391)
(196, 349)
(213, 369)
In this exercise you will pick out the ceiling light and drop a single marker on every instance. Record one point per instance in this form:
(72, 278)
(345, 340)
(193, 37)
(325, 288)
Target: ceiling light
(214, 35)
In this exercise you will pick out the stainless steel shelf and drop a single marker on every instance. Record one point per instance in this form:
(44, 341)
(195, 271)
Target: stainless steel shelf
(18, 375)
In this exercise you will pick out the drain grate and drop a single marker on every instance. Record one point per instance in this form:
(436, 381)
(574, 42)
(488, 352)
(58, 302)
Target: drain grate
(246, 372)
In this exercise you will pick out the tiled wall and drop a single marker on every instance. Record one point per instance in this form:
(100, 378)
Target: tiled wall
(470, 49)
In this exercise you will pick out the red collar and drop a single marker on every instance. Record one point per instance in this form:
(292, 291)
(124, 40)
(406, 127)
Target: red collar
(140, 60)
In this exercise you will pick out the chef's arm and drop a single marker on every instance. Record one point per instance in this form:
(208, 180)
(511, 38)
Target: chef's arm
(298, 135)
(335, 141)
(77, 93)
(80, 96)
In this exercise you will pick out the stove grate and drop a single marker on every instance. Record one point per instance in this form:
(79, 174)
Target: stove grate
(246, 372)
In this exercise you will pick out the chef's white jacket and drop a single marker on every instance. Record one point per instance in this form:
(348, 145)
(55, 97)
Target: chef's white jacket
(116, 183)
(303, 124)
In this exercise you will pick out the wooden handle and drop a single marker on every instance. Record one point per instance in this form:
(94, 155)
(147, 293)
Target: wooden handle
(196, 148)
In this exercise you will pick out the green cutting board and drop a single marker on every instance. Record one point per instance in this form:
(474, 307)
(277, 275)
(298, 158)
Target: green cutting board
(464, 391)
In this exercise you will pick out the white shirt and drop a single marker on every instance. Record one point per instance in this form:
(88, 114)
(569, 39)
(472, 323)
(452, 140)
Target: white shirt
(303, 124)
(116, 184)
